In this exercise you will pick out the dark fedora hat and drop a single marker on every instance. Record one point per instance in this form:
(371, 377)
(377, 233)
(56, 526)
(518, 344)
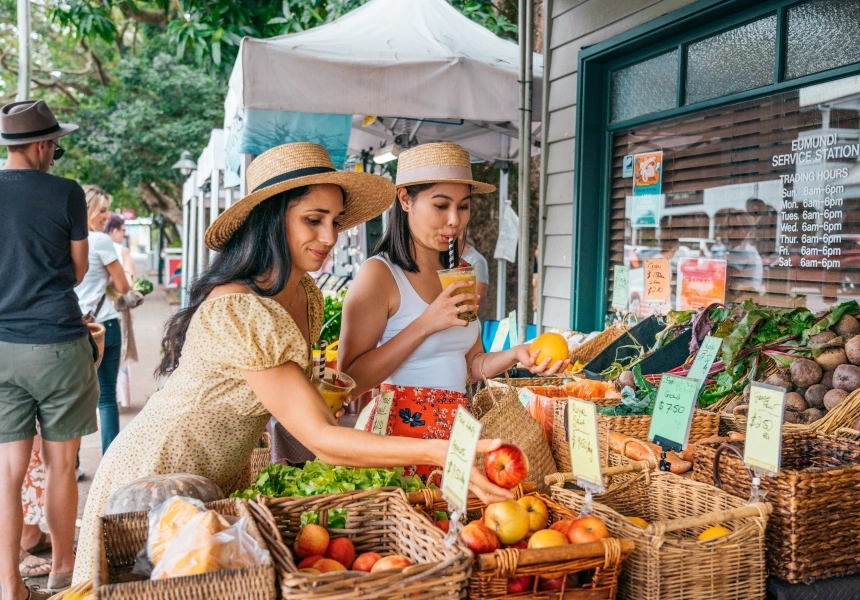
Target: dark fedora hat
(30, 121)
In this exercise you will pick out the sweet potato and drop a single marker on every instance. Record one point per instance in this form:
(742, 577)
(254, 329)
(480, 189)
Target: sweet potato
(636, 451)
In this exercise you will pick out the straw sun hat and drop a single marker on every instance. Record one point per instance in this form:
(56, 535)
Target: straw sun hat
(442, 162)
(296, 165)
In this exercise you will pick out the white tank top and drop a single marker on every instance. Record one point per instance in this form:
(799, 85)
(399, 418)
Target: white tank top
(440, 361)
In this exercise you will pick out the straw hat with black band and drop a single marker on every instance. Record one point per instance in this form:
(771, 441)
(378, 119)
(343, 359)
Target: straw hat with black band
(440, 162)
(30, 121)
(296, 165)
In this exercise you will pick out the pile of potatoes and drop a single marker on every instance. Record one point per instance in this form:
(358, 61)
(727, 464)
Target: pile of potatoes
(820, 385)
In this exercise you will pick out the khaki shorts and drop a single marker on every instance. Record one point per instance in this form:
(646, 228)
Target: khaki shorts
(55, 384)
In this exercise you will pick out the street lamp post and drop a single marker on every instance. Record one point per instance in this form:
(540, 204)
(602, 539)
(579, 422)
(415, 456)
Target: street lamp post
(186, 166)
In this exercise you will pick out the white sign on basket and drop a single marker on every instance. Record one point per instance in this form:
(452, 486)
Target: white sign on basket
(380, 417)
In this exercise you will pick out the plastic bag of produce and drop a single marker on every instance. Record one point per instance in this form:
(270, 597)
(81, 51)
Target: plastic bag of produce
(208, 543)
(165, 522)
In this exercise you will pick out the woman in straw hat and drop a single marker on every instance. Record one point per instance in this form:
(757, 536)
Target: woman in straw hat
(401, 330)
(240, 352)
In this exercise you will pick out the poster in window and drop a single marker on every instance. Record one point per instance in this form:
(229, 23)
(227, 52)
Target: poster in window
(646, 210)
(647, 173)
(174, 271)
(701, 282)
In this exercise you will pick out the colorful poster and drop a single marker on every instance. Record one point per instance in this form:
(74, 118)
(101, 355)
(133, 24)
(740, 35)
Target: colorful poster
(174, 271)
(647, 173)
(645, 211)
(701, 282)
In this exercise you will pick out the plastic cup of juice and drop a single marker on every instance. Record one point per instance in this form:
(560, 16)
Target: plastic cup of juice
(335, 388)
(449, 276)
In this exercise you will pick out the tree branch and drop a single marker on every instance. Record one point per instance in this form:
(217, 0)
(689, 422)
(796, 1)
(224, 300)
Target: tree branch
(150, 17)
(160, 203)
(102, 75)
(56, 85)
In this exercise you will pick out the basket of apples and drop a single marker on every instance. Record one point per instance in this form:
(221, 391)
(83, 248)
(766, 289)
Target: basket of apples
(534, 547)
(363, 544)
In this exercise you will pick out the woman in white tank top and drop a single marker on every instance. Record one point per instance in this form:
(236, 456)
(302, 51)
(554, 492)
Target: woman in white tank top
(401, 331)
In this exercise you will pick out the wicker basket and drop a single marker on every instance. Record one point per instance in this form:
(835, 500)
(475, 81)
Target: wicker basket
(430, 501)
(816, 513)
(97, 330)
(121, 537)
(376, 520)
(705, 424)
(560, 446)
(261, 457)
(521, 382)
(668, 562)
(585, 352)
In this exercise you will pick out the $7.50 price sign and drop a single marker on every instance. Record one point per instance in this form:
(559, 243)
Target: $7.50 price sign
(461, 456)
(673, 411)
(584, 444)
(763, 444)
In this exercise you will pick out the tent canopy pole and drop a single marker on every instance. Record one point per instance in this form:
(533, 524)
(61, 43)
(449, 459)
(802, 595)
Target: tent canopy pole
(526, 35)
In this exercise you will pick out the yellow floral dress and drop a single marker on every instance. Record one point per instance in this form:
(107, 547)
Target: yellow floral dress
(206, 419)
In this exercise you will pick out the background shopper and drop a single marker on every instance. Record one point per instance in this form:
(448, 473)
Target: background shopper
(115, 229)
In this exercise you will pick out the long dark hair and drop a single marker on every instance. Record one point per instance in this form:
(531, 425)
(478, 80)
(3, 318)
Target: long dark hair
(397, 242)
(258, 251)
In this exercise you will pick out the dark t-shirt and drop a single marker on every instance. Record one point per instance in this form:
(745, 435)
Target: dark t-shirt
(39, 216)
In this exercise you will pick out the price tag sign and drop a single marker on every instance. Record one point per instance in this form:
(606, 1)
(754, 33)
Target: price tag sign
(461, 456)
(584, 444)
(673, 412)
(380, 417)
(763, 445)
(705, 358)
(657, 280)
(513, 331)
(621, 287)
(526, 396)
(501, 335)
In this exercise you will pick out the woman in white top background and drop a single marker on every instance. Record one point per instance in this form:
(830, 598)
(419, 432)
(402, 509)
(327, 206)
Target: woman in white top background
(104, 270)
(115, 229)
(477, 260)
(401, 330)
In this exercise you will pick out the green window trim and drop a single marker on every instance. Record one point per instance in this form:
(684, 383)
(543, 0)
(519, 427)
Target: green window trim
(699, 20)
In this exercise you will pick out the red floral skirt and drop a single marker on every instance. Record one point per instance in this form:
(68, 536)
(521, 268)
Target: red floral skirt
(426, 413)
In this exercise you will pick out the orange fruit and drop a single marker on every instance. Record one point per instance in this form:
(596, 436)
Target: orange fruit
(552, 345)
(712, 533)
(638, 521)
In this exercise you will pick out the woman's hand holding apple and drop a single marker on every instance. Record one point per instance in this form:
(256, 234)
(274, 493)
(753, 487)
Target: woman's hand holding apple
(482, 487)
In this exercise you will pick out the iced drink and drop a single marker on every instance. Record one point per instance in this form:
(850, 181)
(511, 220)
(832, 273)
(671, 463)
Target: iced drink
(335, 388)
(449, 276)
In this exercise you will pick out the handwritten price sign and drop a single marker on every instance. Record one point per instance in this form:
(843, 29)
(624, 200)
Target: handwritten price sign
(461, 456)
(584, 444)
(763, 445)
(705, 358)
(380, 417)
(673, 411)
(657, 280)
(621, 288)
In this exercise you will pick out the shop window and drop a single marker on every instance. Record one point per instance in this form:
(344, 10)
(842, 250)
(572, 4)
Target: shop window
(739, 59)
(822, 35)
(644, 88)
(771, 186)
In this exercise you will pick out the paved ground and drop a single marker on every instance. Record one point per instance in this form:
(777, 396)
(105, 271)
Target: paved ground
(149, 321)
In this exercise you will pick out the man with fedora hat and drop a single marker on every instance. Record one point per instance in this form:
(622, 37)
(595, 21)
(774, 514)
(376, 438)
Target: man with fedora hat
(47, 373)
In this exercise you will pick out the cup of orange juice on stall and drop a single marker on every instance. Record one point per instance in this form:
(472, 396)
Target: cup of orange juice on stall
(450, 276)
(335, 388)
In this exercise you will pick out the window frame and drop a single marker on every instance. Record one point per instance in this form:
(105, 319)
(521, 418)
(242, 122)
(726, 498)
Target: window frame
(690, 24)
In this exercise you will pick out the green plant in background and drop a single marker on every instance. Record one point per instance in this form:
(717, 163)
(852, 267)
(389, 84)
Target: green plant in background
(332, 314)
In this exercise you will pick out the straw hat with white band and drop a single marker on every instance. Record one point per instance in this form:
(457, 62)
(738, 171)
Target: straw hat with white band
(442, 162)
(296, 165)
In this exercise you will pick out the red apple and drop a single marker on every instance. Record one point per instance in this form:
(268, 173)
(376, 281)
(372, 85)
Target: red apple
(309, 561)
(508, 520)
(365, 561)
(443, 525)
(391, 562)
(554, 583)
(327, 565)
(312, 539)
(521, 545)
(538, 513)
(506, 466)
(563, 526)
(517, 585)
(479, 539)
(341, 550)
(587, 529)
(547, 538)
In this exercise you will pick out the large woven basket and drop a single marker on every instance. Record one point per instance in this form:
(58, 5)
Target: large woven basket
(705, 424)
(120, 538)
(585, 352)
(560, 444)
(668, 562)
(815, 524)
(379, 521)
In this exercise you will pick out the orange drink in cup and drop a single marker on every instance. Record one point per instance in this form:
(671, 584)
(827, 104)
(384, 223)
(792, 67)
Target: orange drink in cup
(334, 388)
(449, 276)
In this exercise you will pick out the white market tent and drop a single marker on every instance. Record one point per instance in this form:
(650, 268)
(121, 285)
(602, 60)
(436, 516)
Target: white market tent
(426, 72)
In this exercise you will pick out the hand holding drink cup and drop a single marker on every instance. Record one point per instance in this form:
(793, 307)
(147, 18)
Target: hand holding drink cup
(467, 280)
(335, 388)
